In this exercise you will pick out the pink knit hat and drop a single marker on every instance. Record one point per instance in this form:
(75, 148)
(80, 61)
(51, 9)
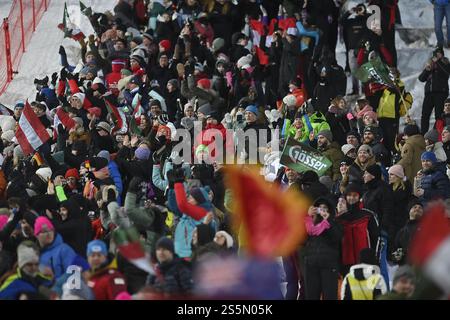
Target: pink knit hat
(41, 224)
(370, 114)
(397, 170)
(3, 221)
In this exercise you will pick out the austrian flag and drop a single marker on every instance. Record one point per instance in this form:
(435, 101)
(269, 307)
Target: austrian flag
(31, 133)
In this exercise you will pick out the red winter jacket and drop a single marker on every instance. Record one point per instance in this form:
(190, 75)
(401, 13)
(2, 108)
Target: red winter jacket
(107, 283)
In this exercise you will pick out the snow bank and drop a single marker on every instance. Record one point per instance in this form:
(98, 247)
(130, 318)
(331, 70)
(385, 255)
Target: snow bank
(41, 57)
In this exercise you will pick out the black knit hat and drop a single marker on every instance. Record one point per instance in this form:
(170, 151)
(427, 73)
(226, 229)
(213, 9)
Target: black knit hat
(367, 256)
(414, 201)
(353, 187)
(165, 243)
(374, 170)
(354, 133)
(411, 130)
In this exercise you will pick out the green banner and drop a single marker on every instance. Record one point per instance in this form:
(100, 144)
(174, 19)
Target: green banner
(300, 157)
(375, 71)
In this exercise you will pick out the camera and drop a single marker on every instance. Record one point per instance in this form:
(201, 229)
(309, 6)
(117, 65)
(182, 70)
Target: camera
(239, 118)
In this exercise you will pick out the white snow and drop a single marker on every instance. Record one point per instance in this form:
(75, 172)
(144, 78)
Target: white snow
(41, 57)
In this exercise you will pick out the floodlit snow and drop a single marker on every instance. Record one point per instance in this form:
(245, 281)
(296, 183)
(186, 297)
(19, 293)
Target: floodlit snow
(415, 41)
(41, 57)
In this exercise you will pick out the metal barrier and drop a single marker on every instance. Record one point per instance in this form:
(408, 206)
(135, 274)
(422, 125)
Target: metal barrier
(16, 32)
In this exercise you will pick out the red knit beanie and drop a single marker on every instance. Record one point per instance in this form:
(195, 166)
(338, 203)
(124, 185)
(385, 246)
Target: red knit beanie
(72, 173)
(205, 83)
(166, 45)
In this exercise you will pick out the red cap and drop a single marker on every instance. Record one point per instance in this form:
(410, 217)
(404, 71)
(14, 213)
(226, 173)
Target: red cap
(165, 44)
(72, 173)
(205, 83)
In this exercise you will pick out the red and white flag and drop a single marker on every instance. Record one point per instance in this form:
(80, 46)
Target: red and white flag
(258, 32)
(62, 117)
(31, 133)
(270, 32)
(288, 24)
(430, 247)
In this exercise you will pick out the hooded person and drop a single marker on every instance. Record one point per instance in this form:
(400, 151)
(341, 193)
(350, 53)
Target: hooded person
(74, 228)
(320, 254)
(379, 199)
(27, 279)
(364, 281)
(55, 254)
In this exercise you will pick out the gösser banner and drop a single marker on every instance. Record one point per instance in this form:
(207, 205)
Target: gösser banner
(300, 157)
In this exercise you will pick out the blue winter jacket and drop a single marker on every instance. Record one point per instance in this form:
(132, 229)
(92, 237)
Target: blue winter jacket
(115, 175)
(58, 256)
(435, 185)
(15, 285)
(440, 2)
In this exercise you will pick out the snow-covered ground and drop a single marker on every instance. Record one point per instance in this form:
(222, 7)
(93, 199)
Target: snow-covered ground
(41, 57)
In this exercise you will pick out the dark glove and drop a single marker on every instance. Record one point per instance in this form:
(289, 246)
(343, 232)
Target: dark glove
(70, 76)
(90, 175)
(133, 187)
(54, 78)
(171, 178)
(111, 196)
(63, 74)
(62, 51)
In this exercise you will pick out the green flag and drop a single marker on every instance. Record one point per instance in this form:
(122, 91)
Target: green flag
(300, 157)
(375, 71)
(87, 11)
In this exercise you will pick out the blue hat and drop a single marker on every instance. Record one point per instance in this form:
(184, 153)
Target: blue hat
(81, 262)
(252, 108)
(19, 104)
(142, 153)
(96, 246)
(430, 156)
(165, 243)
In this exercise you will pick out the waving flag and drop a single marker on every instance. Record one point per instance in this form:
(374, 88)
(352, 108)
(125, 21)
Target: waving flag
(117, 118)
(430, 247)
(288, 24)
(271, 221)
(31, 133)
(258, 32)
(61, 117)
(130, 247)
(70, 29)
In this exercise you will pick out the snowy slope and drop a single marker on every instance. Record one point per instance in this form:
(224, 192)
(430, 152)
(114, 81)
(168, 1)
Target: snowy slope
(41, 57)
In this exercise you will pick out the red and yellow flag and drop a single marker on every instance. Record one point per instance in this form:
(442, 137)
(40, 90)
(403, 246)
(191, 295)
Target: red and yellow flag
(272, 221)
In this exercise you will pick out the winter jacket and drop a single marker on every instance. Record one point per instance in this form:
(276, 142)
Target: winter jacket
(355, 29)
(401, 199)
(172, 277)
(58, 256)
(378, 198)
(289, 63)
(356, 170)
(436, 80)
(334, 154)
(339, 125)
(107, 282)
(363, 282)
(411, 152)
(380, 152)
(19, 283)
(438, 149)
(361, 230)
(323, 250)
(114, 173)
(190, 91)
(435, 184)
(403, 238)
(439, 2)
(76, 231)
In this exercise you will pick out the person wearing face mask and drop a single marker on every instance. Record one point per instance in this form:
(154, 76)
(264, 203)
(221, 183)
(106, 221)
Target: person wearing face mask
(27, 279)
(361, 226)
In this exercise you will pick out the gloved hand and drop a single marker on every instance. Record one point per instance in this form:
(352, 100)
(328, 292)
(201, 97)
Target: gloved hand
(63, 74)
(171, 178)
(133, 187)
(111, 196)
(54, 78)
(62, 51)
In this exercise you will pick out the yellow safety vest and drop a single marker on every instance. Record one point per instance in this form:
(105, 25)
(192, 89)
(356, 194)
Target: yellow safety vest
(363, 289)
